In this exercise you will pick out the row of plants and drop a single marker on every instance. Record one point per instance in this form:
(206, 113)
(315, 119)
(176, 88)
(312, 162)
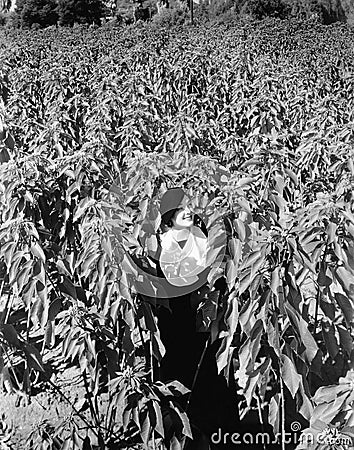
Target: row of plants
(256, 123)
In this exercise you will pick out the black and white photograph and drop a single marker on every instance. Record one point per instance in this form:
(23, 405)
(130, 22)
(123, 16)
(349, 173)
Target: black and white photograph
(176, 224)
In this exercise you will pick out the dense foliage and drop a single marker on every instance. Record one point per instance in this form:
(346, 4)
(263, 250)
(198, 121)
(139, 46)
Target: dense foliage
(43, 13)
(40, 12)
(256, 123)
(266, 8)
(80, 11)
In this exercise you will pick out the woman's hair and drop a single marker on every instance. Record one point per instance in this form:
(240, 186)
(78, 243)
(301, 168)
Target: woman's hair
(166, 220)
(171, 202)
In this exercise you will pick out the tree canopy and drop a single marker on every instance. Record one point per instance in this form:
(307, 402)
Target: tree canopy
(65, 12)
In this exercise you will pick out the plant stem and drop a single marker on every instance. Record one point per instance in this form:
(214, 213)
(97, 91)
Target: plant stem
(197, 372)
(92, 409)
(147, 359)
(282, 414)
(111, 413)
(6, 311)
(151, 358)
(264, 187)
(152, 381)
(318, 297)
(9, 306)
(260, 418)
(2, 287)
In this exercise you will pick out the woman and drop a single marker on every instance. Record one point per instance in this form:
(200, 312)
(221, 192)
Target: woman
(183, 244)
(182, 262)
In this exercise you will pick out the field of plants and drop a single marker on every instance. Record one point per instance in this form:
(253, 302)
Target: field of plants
(256, 122)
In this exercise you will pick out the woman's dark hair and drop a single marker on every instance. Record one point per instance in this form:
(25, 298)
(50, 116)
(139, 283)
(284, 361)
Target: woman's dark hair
(166, 219)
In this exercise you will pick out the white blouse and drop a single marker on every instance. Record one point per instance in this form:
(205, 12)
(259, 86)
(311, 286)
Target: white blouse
(182, 265)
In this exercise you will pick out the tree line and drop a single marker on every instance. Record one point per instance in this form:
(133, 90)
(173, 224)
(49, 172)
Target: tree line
(42, 13)
(63, 12)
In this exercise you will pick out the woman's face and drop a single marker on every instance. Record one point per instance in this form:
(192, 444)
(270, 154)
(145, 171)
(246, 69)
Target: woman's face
(183, 217)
